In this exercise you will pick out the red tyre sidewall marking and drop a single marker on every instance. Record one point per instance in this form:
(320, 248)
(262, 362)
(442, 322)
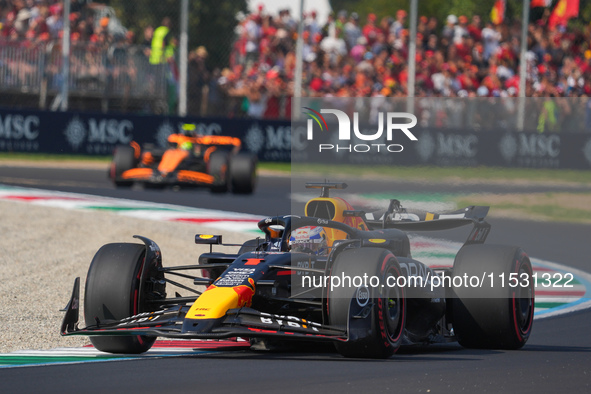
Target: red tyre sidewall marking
(136, 296)
(381, 309)
(521, 333)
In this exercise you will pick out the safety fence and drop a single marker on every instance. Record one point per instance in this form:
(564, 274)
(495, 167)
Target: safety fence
(115, 75)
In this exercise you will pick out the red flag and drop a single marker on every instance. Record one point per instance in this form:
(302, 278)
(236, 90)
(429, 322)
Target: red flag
(564, 10)
(497, 14)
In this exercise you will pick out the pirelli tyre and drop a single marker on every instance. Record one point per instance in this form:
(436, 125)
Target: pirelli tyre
(113, 291)
(123, 159)
(218, 166)
(374, 316)
(498, 313)
(243, 173)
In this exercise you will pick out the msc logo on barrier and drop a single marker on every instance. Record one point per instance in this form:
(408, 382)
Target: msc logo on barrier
(99, 134)
(531, 150)
(344, 131)
(19, 132)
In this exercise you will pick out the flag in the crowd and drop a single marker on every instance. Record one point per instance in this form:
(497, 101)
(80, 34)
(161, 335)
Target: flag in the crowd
(497, 14)
(540, 3)
(564, 10)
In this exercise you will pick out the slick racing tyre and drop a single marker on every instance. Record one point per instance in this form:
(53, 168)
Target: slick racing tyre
(374, 316)
(497, 314)
(243, 173)
(218, 167)
(112, 292)
(123, 160)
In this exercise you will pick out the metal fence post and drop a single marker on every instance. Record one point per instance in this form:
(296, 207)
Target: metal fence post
(183, 58)
(65, 57)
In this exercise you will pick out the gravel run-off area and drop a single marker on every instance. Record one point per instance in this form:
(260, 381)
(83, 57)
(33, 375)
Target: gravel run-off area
(43, 249)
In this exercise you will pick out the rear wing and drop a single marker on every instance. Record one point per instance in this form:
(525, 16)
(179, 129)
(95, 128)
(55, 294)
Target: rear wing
(399, 218)
(218, 140)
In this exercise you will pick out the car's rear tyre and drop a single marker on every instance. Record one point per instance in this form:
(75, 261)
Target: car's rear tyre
(123, 159)
(243, 173)
(495, 315)
(374, 316)
(112, 292)
(218, 167)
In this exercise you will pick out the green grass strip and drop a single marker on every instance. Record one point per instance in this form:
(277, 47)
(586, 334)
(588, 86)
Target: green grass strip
(548, 305)
(53, 157)
(551, 212)
(431, 173)
(435, 255)
(416, 173)
(417, 197)
(123, 209)
(24, 360)
(441, 174)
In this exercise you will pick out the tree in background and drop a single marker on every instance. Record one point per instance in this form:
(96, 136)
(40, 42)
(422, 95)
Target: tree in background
(211, 23)
(442, 8)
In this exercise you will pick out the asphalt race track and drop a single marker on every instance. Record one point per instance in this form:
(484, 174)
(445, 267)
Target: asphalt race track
(557, 357)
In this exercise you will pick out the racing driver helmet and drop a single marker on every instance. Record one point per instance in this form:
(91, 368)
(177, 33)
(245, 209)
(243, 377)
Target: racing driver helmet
(186, 145)
(309, 239)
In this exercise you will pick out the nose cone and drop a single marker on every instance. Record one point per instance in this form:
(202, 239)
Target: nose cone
(216, 301)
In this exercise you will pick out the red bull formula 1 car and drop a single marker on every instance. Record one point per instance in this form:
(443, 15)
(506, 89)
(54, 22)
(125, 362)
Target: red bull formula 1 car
(292, 285)
(191, 160)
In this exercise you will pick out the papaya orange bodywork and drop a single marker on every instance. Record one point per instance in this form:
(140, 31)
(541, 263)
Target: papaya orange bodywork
(193, 176)
(137, 173)
(171, 159)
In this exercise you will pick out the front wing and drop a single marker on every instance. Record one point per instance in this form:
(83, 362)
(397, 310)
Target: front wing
(151, 176)
(168, 322)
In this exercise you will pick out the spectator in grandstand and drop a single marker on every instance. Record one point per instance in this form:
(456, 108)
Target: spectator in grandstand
(491, 38)
(198, 78)
(474, 28)
(449, 30)
(460, 30)
(312, 25)
(146, 42)
(370, 30)
(352, 30)
(399, 23)
(334, 47)
(162, 43)
(55, 20)
(21, 23)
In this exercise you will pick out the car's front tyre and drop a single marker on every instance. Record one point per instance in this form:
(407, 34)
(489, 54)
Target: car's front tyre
(113, 292)
(374, 316)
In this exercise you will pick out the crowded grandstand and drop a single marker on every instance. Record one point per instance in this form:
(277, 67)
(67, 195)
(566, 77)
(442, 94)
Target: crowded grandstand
(344, 56)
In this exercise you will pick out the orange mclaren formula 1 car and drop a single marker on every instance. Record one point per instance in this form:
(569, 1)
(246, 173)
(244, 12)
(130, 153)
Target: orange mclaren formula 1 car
(211, 161)
(335, 275)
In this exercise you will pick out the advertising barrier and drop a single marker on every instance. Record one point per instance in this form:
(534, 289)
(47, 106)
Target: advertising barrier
(97, 134)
